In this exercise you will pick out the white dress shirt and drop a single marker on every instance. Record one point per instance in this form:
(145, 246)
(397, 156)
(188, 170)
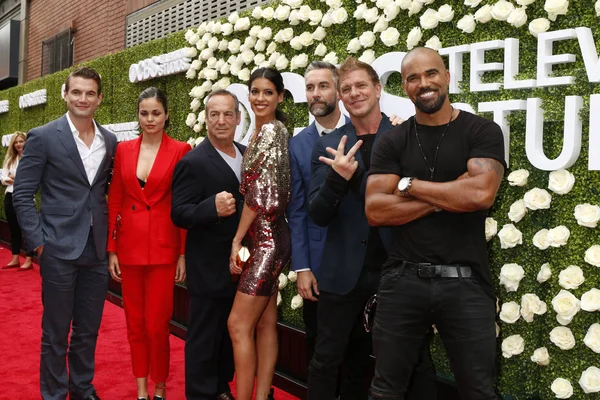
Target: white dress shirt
(12, 171)
(323, 131)
(90, 156)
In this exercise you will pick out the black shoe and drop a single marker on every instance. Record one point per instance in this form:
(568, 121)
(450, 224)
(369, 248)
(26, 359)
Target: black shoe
(225, 396)
(92, 396)
(144, 398)
(271, 395)
(159, 398)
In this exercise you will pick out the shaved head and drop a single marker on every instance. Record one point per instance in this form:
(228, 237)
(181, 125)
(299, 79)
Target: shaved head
(426, 52)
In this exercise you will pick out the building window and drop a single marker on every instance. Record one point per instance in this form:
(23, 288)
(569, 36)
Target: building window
(57, 52)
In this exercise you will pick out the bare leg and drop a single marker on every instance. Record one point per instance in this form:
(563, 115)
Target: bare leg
(142, 387)
(245, 314)
(27, 262)
(160, 389)
(14, 260)
(266, 348)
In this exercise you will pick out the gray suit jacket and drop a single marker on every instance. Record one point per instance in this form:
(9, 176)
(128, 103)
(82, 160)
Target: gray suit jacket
(51, 162)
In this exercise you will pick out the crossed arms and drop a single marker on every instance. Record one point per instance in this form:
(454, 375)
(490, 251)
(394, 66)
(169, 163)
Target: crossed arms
(474, 190)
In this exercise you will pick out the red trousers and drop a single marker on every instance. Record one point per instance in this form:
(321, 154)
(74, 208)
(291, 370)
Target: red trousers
(147, 292)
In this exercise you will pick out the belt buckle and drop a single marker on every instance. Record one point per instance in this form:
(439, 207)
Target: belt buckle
(425, 273)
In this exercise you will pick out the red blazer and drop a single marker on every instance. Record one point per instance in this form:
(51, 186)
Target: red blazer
(140, 230)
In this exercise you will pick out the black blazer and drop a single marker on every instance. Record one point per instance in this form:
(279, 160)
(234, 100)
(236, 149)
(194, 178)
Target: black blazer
(197, 179)
(343, 212)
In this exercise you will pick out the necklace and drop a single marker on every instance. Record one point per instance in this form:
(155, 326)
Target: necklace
(437, 149)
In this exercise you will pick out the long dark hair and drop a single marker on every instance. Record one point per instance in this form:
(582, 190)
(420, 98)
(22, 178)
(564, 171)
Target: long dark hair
(161, 97)
(276, 79)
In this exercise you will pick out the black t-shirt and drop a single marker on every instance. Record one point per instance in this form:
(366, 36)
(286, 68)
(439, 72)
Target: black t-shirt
(444, 237)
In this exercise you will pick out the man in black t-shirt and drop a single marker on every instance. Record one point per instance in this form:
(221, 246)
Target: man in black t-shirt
(433, 178)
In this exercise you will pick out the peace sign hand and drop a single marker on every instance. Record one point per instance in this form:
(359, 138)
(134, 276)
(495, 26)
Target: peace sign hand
(345, 165)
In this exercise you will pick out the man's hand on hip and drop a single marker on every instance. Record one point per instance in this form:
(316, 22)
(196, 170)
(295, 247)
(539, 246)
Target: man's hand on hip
(307, 285)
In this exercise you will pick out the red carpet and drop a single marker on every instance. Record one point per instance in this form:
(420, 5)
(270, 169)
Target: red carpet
(20, 333)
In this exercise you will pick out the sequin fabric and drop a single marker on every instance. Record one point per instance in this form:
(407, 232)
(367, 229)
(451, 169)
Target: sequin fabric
(266, 188)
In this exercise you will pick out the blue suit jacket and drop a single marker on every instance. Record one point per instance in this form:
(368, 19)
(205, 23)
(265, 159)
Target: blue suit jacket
(308, 239)
(343, 213)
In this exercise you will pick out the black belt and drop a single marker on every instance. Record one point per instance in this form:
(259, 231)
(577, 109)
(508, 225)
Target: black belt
(438, 271)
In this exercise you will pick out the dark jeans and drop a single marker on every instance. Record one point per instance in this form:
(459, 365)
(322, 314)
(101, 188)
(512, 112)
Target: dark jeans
(208, 351)
(73, 294)
(464, 316)
(340, 322)
(15, 229)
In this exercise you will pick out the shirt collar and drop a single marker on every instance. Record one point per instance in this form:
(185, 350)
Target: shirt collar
(75, 132)
(320, 128)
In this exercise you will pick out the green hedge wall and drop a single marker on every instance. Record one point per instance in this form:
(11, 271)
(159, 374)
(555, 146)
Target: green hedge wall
(518, 377)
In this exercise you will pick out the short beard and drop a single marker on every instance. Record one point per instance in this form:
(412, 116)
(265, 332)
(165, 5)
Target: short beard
(323, 111)
(433, 107)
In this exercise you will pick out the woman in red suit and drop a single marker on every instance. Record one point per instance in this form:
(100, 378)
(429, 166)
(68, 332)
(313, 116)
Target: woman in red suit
(145, 249)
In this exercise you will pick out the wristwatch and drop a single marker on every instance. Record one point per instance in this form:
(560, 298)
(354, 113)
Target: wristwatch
(405, 184)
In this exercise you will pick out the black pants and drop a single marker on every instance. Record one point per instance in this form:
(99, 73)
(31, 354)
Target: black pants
(340, 322)
(464, 315)
(15, 230)
(208, 350)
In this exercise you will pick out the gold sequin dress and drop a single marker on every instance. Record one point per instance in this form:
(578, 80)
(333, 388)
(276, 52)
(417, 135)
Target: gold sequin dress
(266, 188)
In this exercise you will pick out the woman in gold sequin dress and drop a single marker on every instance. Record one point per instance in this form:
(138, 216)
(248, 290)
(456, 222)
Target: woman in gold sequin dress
(266, 187)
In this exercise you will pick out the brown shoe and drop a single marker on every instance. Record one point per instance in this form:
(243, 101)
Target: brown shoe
(225, 396)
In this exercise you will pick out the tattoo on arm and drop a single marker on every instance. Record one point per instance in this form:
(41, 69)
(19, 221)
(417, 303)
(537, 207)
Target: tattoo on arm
(489, 164)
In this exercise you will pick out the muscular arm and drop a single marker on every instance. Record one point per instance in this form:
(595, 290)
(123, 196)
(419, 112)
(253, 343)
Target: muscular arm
(384, 208)
(473, 192)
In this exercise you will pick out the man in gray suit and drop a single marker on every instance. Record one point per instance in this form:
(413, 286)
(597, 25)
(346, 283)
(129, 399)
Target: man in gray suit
(69, 160)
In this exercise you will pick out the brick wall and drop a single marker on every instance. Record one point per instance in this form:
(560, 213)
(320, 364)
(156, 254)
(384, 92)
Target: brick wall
(99, 27)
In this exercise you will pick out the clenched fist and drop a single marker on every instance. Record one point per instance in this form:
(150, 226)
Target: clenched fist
(225, 203)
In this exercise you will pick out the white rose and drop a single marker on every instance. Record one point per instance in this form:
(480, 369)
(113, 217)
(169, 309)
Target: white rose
(592, 338)
(283, 281)
(202, 116)
(524, 2)
(296, 44)
(590, 301)
(223, 83)
(299, 61)
(587, 215)
(260, 45)
(545, 273)
(331, 57)
(190, 120)
(326, 22)
(293, 18)
(484, 14)
(541, 356)
(381, 25)
(210, 74)
(321, 50)
(196, 64)
(562, 388)
(445, 13)
(562, 337)
(472, 3)
(368, 56)
(225, 69)
(286, 35)
(390, 36)
(590, 380)
(244, 74)
(556, 7)
(202, 28)
(510, 236)
(558, 236)
(434, 43)
(414, 8)
(265, 33)
(466, 23)
(537, 199)
(383, 3)
(404, 4)
(517, 211)
(282, 12)
(273, 58)
(518, 17)
(194, 39)
(532, 305)
(566, 306)
(306, 39)
(223, 45)
(353, 46)
(359, 13)
(197, 128)
(249, 42)
(597, 8)
(259, 59)
(195, 105)
(227, 29)
(571, 277)
(188, 35)
(518, 177)
(315, 16)
(367, 39)
(491, 228)
(191, 141)
(281, 63)
(334, 3)
(292, 276)
(268, 13)
(512, 346)
(391, 11)
(279, 299)
(561, 181)
(294, 3)
(199, 140)
(501, 10)
(242, 24)
(339, 16)
(197, 92)
(319, 34)
(257, 13)
(234, 46)
(211, 62)
(510, 312)
(592, 255)
(190, 74)
(429, 19)
(538, 26)
(296, 302)
(304, 13)
(247, 56)
(510, 276)
(540, 239)
(371, 15)
(191, 52)
(206, 54)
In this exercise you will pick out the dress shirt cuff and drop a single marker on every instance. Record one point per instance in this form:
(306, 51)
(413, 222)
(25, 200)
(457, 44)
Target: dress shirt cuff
(301, 270)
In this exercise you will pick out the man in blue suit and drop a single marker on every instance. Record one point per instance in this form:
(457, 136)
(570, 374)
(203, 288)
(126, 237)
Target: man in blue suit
(354, 252)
